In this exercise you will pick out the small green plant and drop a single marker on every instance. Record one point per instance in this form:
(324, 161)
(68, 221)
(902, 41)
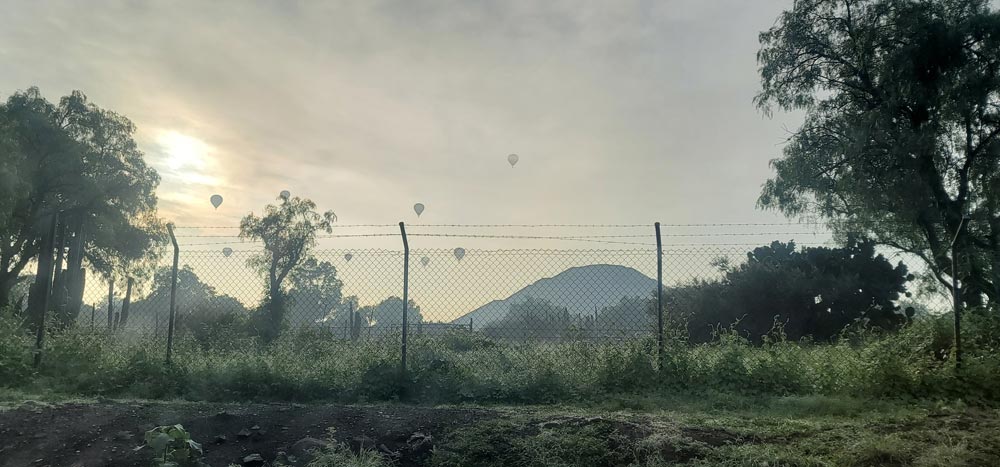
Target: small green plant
(173, 447)
(337, 454)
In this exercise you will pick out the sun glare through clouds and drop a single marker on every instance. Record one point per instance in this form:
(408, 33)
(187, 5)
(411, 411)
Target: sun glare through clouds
(183, 151)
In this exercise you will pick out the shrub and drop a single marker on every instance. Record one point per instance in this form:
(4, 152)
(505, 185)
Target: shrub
(823, 290)
(15, 351)
(315, 365)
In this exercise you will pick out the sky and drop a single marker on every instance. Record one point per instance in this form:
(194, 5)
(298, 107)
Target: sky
(620, 112)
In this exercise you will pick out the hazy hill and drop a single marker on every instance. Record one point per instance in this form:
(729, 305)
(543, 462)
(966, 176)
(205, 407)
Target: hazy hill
(581, 290)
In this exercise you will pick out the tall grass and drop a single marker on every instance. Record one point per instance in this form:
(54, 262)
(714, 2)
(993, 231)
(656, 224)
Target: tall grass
(300, 366)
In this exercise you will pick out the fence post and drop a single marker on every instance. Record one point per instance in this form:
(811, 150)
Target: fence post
(956, 294)
(470, 324)
(659, 297)
(45, 267)
(173, 293)
(406, 292)
(93, 313)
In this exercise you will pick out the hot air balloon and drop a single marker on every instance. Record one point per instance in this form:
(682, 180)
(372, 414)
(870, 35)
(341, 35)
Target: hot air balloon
(227, 251)
(425, 261)
(418, 208)
(216, 201)
(348, 256)
(512, 159)
(284, 194)
(459, 253)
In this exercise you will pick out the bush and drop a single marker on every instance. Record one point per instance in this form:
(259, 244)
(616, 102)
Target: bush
(823, 291)
(316, 365)
(15, 351)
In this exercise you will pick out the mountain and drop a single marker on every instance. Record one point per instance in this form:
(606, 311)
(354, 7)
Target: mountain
(580, 290)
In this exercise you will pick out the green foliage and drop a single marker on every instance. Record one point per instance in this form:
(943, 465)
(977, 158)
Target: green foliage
(317, 365)
(901, 128)
(173, 447)
(463, 341)
(823, 291)
(386, 315)
(533, 318)
(315, 293)
(571, 442)
(338, 454)
(288, 232)
(15, 351)
(82, 161)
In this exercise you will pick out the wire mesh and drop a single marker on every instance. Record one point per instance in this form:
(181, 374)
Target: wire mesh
(542, 296)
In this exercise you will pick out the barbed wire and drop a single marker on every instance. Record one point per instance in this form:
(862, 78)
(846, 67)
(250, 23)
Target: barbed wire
(644, 225)
(703, 234)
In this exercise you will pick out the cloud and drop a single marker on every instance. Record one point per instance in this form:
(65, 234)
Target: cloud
(621, 111)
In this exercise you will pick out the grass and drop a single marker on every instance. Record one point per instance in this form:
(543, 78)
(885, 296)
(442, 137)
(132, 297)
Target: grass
(721, 429)
(463, 367)
(866, 400)
(711, 429)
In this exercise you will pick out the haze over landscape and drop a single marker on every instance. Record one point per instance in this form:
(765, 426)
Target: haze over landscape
(621, 112)
(460, 233)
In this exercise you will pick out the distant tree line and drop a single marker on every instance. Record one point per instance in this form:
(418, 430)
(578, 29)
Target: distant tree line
(813, 293)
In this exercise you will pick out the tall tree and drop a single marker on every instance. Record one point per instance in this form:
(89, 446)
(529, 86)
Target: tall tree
(38, 160)
(902, 126)
(82, 161)
(315, 292)
(288, 231)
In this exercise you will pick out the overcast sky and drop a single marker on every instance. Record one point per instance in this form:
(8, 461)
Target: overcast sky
(621, 111)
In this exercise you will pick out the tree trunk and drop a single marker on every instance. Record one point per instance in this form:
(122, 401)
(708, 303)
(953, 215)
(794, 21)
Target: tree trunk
(58, 297)
(276, 309)
(126, 303)
(6, 285)
(111, 303)
(41, 288)
(75, 279)
(276, 305)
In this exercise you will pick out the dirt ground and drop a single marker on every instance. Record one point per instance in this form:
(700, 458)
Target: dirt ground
(107, 434)
(785, 431)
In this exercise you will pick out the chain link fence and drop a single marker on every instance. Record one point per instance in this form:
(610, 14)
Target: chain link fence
(554, 298)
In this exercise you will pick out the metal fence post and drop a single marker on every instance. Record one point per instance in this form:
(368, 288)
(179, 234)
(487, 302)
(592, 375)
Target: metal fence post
(45, 267)
(406, 292)
(173, 293)
(659, 297)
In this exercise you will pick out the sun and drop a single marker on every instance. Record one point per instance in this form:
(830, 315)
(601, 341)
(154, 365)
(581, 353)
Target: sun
(183, 151)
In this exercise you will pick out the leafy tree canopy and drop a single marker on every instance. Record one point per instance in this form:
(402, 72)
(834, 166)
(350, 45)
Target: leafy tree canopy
(902, 126)
(813, 292)
(288, 231)
(315, 293)
(83, 162)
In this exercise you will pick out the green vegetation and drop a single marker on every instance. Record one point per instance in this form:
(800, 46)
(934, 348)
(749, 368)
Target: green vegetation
(82, 162)
(313, 365)
(338, 454)
(823, 291)
(715, 429)
(901, 130)
(288, 232)
(173, 447)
